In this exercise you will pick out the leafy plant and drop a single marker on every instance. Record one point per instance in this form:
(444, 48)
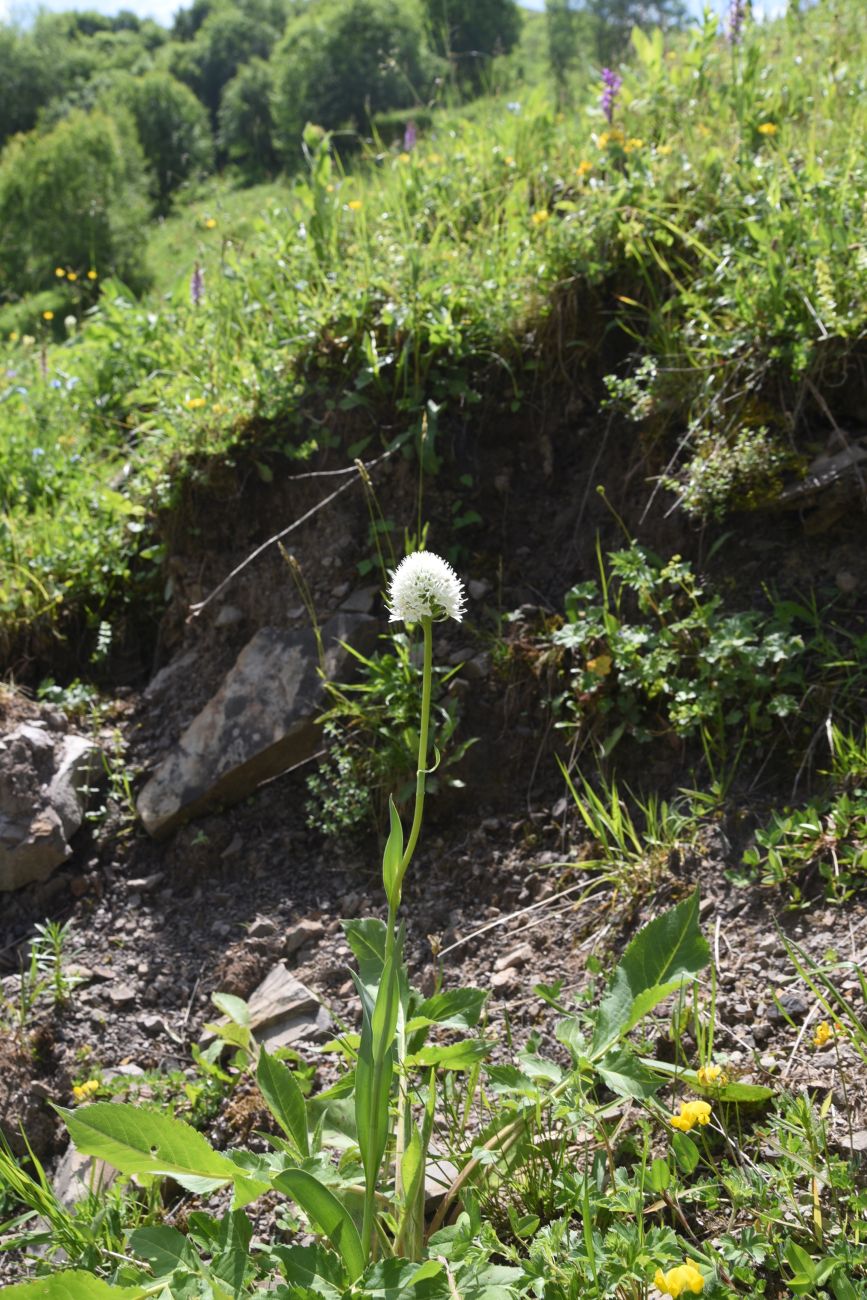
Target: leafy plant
(372, 733)
(650, 653)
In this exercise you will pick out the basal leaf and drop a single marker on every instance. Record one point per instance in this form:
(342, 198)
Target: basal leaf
(73, 1285)
(327, 1214)
(663, 955)
(139, 1141)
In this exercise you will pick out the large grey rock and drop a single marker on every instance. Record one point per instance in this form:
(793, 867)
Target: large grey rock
(284, 1012)
(44, 780)
(261, 722)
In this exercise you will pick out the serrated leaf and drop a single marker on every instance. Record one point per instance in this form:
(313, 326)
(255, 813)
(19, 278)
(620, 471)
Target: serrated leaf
(164, 1248)
(139, 1141)
(73, 1285)
(327, 1214)
(285, 1099)
(663, 955)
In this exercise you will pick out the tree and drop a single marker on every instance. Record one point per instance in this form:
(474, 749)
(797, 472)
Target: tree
(246, 125)
(469, 33)
(613, 21)
(223, 38)
(72, 197)
(26, 83)
(338, 64)
(172, 127)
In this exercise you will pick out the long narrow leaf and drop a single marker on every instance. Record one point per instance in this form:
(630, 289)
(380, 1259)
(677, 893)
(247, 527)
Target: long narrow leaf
(327, 1214)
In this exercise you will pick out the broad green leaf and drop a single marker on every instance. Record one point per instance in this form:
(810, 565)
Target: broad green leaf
(455, 1009)
(227, 1032)
(313, 1266)
(73, 1285)
(624, 1074)
(663, 955)
(659, 1177)
(138, 1141)
(285, 1099)
(327, 1214)
(686, 1153)
(164, 1248)
(454, 1056)
(392, 857)
(235, 1008)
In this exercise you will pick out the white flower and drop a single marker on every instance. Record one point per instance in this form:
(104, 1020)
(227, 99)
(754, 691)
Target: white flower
(425, 586)
(70, 324)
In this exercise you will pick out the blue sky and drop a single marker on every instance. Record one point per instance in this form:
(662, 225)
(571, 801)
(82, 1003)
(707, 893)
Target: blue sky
(163, 10)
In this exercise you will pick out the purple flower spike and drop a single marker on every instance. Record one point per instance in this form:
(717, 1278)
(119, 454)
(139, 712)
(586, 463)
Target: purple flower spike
(611, 84)
(410, 136)
(197, 285)
(737, 15)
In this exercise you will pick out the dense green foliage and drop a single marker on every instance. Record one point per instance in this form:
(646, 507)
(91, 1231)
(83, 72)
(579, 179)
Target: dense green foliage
(172, 128)
(72, 198)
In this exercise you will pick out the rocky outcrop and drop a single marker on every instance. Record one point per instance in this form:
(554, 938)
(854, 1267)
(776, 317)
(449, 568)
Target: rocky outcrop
(44, 781)
(261, 722)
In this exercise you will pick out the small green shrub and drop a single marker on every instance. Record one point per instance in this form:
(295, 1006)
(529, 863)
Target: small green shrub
(650, 653)
(72, 198)
(173, 130)
(338, 64)
(372, 739)
(827, 838)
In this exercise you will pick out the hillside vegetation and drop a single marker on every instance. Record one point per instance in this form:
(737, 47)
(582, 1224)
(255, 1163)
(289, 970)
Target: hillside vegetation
(705, 248)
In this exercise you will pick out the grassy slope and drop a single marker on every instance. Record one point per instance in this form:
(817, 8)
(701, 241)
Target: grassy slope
(717, 226)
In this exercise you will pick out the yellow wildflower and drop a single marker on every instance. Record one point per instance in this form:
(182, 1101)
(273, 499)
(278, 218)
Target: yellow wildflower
(686, 1277)
(91, 275)
(329, 189)
(354, 205)
(404, 158)
(664, 150)
(13, 336)
(195, 403)
(59, 272)
(632, 144)
(539, 218)
(824, 1033)
(72, 275)
(218, 408)
(768, 128)
(210, 223)
(708, 1075)
(691, 1113)
(509, 161)
(48, 315)
(81, 1091)
(584, 168)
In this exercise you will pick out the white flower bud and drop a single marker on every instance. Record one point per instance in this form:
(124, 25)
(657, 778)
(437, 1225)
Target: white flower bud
(425, 586)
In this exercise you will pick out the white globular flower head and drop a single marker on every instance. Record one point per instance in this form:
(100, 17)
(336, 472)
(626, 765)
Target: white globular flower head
(425, 586)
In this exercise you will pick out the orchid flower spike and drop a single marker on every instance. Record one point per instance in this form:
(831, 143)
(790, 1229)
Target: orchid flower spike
(425, 586)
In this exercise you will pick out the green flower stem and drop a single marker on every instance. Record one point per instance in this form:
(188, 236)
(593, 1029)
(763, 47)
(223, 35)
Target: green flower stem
(403, 1110)
(421, 773)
